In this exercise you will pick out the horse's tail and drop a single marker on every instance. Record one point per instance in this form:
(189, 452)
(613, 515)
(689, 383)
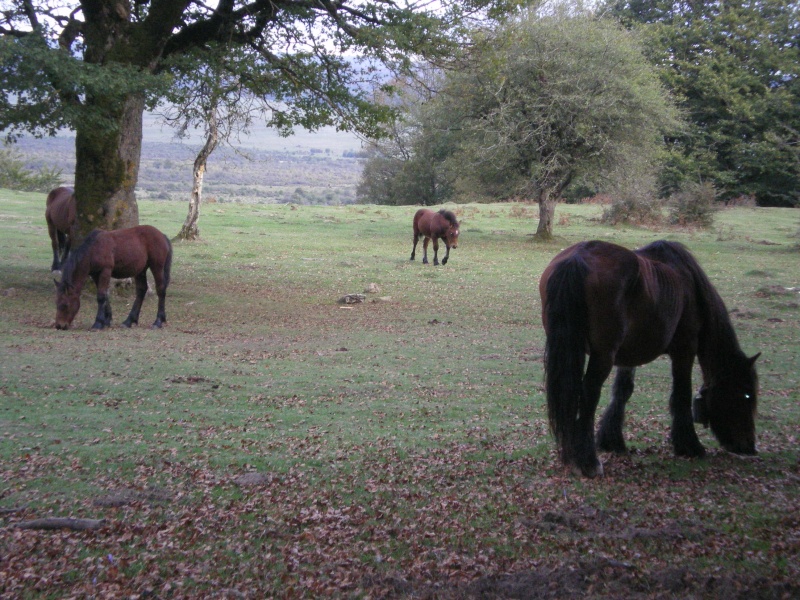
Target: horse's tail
(567, 318)
(167, 263)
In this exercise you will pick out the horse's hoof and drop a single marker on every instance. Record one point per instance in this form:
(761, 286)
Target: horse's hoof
(97, 327)
(444, 261)
(156, 325)
(592, 471)
(693, 452)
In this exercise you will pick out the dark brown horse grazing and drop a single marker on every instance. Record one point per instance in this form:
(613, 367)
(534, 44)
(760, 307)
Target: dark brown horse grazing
(106, 254)
(435, 226)
(626, 308)
(61, 222)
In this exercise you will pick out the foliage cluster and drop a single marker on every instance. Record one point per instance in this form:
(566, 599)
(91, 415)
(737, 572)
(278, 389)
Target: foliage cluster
(732, 69)
(545, 101)
(14, 175)
(695, 204)
(735, 70)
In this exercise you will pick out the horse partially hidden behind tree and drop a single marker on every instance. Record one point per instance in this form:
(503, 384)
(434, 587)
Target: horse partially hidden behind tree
(121, 253)
(435, 226)
(60, 214)
(625, 309)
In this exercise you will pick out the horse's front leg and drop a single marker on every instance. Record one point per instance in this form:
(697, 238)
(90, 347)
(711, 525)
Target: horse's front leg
(684, 438)
(141, 292)
(446, 254)
(585, 454)
(609, 434)
(103, 318)
(435, 252)
(66, 248)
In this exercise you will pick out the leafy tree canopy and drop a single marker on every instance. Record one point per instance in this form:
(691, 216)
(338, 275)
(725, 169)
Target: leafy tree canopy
(735, 68)
(94, 66)
(544, 99)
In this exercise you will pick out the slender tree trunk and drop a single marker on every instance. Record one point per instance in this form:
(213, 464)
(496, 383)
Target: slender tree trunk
(547, 210)
(190, 229)
(107, 168)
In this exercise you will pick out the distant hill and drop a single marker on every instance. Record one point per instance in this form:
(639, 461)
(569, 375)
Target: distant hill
(307, 168)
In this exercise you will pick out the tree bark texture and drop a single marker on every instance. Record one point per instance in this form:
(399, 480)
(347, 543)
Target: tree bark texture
(107, 169)
(547, 210)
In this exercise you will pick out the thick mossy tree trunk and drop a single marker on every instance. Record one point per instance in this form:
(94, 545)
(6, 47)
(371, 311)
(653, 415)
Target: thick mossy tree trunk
(107, 169)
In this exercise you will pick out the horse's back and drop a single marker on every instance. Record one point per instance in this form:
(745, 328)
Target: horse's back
(128, 252)
(634, 302)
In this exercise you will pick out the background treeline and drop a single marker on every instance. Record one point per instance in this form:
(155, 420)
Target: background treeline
(522, 110)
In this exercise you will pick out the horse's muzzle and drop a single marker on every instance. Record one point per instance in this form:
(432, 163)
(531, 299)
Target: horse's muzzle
(63, 326)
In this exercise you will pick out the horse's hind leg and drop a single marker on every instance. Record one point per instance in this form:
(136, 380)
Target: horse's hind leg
(54, 241)
(141, 292)
(161, 291)
(414, 247)
(425, 250)
(585, 454)
(609, 434)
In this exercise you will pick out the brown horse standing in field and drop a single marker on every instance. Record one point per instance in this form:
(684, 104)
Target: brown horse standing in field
(625, 309)
(435, 226)
(121, 253)
(60, 214)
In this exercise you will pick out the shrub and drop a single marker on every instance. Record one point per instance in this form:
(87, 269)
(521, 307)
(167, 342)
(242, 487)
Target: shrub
(633, 210)
(14, 175)
(694, 204)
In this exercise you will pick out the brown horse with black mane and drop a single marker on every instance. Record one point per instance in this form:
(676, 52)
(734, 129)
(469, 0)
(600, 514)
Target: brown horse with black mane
(60, 214)
(625, 309)
(120, 253)
(435, 226)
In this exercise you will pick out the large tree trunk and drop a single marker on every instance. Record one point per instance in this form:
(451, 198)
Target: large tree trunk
(107, 169)
(190, 229)
(547, 211)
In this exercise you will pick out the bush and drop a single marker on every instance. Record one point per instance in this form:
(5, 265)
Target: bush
(695, 205)
(14, 175)
(633, 210)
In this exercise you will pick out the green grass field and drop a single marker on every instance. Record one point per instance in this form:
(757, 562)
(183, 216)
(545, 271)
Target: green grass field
(271, 442)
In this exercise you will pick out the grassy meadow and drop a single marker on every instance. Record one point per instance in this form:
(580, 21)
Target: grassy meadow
(272, 442)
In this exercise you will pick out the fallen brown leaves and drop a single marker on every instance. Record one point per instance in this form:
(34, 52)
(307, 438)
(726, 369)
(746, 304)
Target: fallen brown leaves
(465, 520)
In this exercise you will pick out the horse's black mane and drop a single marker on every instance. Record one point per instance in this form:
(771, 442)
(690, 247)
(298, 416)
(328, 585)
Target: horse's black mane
(449, 216)
(75, 257)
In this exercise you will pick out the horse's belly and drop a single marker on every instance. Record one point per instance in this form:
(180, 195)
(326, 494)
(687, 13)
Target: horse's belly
(641, 347)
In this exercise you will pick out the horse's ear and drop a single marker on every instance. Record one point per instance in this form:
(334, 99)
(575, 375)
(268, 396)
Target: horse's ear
(753, 359)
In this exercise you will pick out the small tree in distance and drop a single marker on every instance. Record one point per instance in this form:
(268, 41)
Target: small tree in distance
(556, 96)
(211, 98)
(542, 101)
